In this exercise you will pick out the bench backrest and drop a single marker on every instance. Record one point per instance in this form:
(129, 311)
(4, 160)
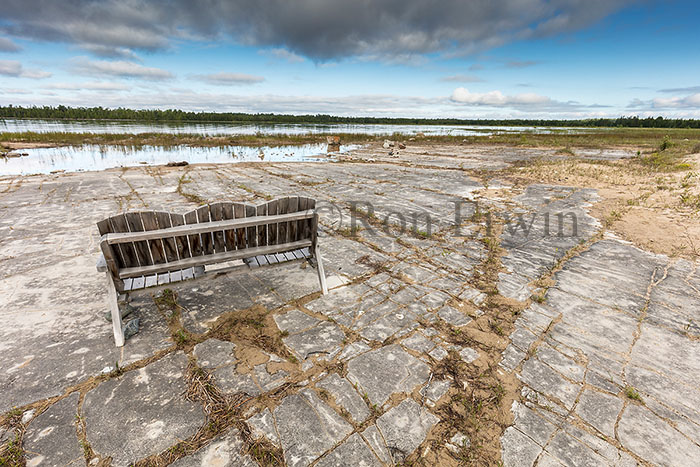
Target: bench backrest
(147, 242)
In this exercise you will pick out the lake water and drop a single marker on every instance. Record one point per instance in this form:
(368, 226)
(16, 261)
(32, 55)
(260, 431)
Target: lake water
(100, 157)
(213, 129)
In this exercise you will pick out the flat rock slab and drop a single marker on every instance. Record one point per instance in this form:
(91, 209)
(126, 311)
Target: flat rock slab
(223, 451)
(263, 424)
(655, 440)
(320, 339)
(405, 427)
(214, 353)
(295, 321)
(345, 396)
(385, 371)
(51, 438)
(308, 427)
(142, 412)
(352, 453)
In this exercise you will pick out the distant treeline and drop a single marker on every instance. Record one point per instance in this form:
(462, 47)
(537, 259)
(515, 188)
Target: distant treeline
(100, 113)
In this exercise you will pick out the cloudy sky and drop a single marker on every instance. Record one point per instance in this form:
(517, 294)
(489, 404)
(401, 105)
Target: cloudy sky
(439, 58)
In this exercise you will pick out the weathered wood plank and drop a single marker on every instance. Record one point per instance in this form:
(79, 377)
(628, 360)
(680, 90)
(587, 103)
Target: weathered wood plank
(282, 227)
(208, 236)
(187, 273)
(149, 221)
(261, 211)
(133, 220)
(230, 234)
(308, 223)
(262, 260)
(127, 250)
(301, 224)
(176, 276)
(293, 206)
(138, 283)
(211, 259)
(239, 215)
(169, 245)
(151, 280)
(271, 259)
(251, 232)
(182, 243)
(216, 213)
(195, 240)
(272, 213)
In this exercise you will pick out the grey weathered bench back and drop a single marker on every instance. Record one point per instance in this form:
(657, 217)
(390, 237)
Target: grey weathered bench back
(149, 243)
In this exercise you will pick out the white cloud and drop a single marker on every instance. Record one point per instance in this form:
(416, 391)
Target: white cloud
(691, 101)
(229, 79)
(283, 54)
(120, 68)
(498, 99)
(91, 86)
(16, 91)
(16, 70)
(462, 79)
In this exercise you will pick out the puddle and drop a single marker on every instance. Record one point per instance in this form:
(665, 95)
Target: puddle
(100, 157)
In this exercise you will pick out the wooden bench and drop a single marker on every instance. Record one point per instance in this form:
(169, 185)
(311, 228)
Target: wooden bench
(147, 248)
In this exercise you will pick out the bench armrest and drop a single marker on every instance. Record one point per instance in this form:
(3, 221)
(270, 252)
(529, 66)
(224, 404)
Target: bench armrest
(101, 263)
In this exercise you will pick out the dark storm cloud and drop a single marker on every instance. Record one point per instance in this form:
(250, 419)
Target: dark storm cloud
(321, 30)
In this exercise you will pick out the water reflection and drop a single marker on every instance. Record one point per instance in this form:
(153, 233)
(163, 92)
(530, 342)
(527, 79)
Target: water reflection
(213, 128)
(100, 157)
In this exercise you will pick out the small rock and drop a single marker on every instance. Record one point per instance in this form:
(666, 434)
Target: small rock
(177, 164)
(124, 309)
(26, 416)
(438, 353)
(402, 146)
(131, 328)
(458, 442)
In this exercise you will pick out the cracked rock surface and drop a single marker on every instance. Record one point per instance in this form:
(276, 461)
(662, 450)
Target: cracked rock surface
(539, 341)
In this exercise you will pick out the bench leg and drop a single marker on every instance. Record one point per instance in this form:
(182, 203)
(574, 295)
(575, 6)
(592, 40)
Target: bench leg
(114, 309)
(321, 274)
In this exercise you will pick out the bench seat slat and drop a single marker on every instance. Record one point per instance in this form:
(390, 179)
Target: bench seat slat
(210, 259)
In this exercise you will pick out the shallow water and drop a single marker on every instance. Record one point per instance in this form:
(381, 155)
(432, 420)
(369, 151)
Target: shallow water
(213, 128)
(100, 157)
